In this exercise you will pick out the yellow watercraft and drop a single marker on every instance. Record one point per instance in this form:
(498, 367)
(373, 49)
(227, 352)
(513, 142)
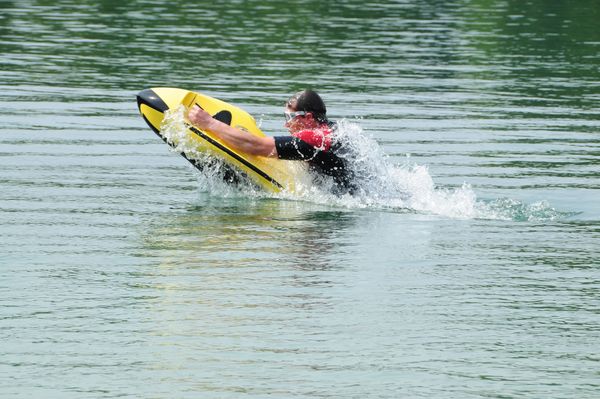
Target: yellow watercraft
(271, 174)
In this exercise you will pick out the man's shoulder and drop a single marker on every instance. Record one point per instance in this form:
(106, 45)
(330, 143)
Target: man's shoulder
(318, 138)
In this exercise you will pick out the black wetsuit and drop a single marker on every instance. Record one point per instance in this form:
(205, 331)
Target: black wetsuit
(323, 156)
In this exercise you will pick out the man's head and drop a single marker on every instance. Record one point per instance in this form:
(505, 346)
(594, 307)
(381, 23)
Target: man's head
(308, 101)
(305, 110)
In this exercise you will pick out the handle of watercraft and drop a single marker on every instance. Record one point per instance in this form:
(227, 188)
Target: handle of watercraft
(189, 100)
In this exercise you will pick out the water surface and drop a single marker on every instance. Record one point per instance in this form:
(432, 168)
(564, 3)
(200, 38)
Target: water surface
(123, 273)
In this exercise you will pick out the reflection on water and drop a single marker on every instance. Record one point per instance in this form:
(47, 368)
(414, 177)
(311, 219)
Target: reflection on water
(251, 231)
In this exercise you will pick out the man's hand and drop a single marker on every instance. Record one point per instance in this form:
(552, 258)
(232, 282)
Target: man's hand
(200, 117)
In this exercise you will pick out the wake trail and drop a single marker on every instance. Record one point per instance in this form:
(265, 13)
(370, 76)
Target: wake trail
(381, 183)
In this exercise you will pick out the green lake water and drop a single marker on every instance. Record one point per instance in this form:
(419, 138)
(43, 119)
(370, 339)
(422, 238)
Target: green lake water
(468, 268)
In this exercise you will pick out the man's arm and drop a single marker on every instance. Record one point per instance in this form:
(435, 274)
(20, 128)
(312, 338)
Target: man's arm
(243, 141)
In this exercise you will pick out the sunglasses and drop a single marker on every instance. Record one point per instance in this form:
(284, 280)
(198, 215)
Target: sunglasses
(291, 115)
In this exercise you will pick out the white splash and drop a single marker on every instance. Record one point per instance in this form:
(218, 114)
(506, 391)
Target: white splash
(215, 176)
(382, 184)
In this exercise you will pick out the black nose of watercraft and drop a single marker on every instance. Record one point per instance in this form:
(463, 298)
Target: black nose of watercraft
(151, 99)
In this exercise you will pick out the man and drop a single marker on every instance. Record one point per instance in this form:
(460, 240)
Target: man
(311, 138)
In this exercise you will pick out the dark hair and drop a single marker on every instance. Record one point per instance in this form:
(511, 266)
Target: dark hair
(309, 101)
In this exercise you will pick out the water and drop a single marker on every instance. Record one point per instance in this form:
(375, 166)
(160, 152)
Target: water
(125, 274)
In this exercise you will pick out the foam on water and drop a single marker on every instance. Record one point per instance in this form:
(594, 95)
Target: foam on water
(382, 183)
